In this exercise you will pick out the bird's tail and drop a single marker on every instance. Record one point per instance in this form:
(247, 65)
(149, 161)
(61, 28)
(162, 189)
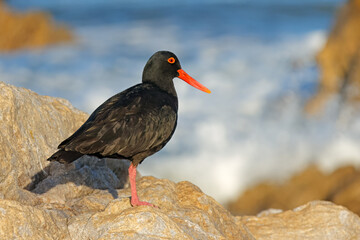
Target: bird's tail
(65, 156)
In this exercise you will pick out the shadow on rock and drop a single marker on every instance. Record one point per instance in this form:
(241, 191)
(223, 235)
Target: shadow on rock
(85, 174)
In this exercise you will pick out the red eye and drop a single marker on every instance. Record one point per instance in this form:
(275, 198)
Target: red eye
(171, 60)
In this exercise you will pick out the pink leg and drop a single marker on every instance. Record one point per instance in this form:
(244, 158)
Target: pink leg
(134, 197)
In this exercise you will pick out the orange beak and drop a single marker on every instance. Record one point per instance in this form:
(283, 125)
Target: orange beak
(186, 77)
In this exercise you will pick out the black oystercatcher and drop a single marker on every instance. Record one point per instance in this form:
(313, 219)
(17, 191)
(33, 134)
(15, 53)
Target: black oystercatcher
(135, 123)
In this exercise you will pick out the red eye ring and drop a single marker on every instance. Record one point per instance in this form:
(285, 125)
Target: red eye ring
(171, 60)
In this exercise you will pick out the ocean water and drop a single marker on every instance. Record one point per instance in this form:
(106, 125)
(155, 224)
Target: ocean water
(257, 57)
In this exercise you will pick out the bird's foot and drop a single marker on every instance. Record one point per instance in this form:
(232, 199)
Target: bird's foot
(134, 197)
(141, 203)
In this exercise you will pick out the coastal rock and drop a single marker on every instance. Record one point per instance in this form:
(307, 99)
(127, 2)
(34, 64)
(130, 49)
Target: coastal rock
(339, 60)
(90, 198)
(31, 127)
(314, 220)
(79, 211)
(29, 30)
(311, 184)
(184, 213)
(19, 221)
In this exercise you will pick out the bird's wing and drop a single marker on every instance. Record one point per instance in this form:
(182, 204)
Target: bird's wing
(124, 126)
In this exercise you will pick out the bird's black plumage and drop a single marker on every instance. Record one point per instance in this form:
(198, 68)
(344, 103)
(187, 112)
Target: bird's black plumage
(132, 124)
(135, 123)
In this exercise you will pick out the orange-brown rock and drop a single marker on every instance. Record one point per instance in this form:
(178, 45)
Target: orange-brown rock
(29, 30)
(349, 195)
(311, 184)
(339, 60)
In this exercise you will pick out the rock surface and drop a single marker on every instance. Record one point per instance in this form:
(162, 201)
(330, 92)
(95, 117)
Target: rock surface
(29, 30)
(31, 127)
(339, 60)
(89, 199)
(340, 187)
(331, 221)
(185, 213)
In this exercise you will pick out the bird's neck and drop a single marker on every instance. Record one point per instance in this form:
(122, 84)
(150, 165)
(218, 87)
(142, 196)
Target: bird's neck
(165, 85)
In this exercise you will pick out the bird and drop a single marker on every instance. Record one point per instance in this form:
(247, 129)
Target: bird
(134, 123)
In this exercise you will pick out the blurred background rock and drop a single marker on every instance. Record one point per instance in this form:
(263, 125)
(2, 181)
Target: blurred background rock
(29, 29)
(341, 187)
(339, 60)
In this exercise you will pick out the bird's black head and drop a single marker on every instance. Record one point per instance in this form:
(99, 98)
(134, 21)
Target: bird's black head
(160, 70)
(162, 67)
